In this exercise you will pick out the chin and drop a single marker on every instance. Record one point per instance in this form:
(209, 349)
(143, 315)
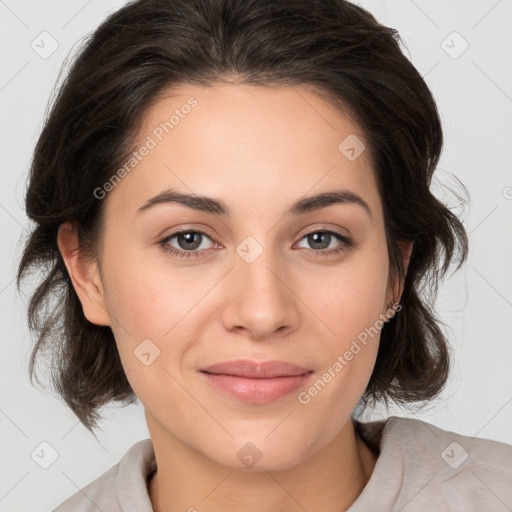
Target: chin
(259, 455)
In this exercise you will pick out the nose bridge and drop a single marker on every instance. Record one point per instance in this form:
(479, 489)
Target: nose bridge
(257, 265)
(261, 298)
(258, 262)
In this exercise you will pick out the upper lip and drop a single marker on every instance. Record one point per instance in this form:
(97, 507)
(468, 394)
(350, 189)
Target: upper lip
(255, 369)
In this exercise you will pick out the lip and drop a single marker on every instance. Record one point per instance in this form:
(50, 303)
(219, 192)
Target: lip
(255, 369)
(256, 382)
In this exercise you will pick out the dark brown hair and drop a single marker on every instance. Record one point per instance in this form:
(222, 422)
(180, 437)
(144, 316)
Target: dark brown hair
(147, 47)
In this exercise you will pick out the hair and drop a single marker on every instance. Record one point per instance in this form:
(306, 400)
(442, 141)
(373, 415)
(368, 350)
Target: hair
(143, 50)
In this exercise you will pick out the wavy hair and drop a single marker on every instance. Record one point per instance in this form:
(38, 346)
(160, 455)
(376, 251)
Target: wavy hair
(142, 51)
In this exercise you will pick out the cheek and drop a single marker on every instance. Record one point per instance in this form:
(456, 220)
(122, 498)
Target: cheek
(149, 301)
(350, 297)
(150, 309)
(350, 301)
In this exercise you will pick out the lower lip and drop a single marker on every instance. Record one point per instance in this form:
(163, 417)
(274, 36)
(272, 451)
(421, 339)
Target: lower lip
(257, 391)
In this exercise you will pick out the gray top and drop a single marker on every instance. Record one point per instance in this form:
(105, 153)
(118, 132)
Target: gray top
(420, 468)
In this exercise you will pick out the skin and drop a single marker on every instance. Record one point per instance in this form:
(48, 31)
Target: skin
(259, 150)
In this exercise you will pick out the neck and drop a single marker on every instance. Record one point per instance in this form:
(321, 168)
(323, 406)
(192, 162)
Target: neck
(330, 480)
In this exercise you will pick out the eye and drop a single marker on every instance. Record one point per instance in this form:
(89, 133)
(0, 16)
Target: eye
(188, 243)
(321, 241)
(191, 243)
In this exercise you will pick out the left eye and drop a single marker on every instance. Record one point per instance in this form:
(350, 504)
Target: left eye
(323, 239)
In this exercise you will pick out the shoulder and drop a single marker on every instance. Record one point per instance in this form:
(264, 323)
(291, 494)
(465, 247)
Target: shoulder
(123, 483)
(458, 453)
(430, 468)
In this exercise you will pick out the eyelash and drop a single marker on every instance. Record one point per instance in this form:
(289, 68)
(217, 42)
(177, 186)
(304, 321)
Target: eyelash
(346, 244)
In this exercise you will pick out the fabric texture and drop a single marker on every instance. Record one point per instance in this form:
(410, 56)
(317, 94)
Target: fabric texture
(420, 468)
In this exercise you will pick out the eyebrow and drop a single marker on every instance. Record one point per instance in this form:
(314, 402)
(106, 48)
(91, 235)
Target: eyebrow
(217, 207)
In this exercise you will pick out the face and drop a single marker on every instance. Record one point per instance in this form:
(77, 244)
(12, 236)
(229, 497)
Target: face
(259, 282)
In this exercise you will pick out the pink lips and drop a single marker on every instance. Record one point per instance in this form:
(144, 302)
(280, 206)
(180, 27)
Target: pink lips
(256, 382)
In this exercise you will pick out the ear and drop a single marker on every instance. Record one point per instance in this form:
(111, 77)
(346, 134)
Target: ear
(406, 248)
(84, 275)
(395, 290)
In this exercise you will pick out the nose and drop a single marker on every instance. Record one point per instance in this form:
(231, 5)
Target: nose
(261, 297)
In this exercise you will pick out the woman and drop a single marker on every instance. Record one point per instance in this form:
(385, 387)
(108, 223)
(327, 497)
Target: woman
(233, 200)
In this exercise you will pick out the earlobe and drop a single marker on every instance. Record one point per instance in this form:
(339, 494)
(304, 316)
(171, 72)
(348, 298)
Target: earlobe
(84, 275)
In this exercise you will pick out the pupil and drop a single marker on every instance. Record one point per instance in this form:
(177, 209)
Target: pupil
(189, 240)
(314, 239)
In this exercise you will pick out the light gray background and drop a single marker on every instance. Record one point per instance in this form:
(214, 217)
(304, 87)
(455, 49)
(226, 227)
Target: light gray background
(474, 95)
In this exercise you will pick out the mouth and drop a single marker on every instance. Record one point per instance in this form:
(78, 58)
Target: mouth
(256, 382)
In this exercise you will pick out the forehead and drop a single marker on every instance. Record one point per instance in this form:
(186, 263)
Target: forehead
(246, 143)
